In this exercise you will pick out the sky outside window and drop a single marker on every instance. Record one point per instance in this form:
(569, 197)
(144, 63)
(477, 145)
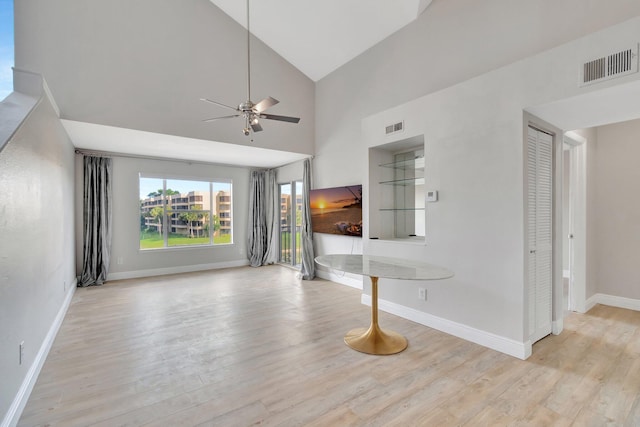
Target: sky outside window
(6, 48)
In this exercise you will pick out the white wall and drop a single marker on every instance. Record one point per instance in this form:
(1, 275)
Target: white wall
(145, 64)
(126, 220)
(617, 209)
(473, 132)
(451, 42)
(37, 246)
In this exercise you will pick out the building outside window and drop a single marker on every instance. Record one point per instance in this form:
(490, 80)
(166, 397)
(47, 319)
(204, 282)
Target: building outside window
(195, 213)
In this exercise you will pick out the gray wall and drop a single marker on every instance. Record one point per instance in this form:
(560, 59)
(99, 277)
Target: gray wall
(126, 219)
(144, 65)
(37, 246)
(617, 209)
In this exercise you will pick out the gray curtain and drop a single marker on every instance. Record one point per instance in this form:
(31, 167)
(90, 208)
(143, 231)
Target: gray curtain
(308, 269)
(272, 217)
(257, 228)
(97, 221)
(264, 215)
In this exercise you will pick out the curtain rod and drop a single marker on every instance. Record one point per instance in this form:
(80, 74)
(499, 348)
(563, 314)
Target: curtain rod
(133, 156)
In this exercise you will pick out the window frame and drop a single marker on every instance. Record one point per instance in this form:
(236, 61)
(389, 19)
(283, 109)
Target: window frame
(169, 221)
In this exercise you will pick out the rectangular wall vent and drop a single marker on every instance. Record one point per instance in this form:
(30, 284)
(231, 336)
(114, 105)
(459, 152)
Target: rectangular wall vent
(607, 67)
(396, 127)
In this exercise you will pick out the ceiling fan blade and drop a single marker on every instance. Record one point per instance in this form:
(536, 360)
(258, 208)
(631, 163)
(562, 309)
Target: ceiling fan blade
(265, 103)
(280, 118)
(223, 117)
(218, 103)
(256, 127)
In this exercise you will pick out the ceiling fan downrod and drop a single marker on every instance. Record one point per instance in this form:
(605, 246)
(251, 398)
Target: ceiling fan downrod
(250, 111)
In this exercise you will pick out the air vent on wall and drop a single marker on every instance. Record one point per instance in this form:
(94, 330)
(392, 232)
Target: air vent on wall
(607, 67)
(396, 127)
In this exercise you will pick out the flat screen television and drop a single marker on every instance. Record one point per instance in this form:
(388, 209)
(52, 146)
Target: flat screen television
(337, 210)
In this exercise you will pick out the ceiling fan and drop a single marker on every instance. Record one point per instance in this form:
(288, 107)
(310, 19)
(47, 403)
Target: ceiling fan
(250, 111)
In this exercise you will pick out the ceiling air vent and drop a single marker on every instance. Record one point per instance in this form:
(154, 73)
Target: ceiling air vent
(396, 127)
(607, 67)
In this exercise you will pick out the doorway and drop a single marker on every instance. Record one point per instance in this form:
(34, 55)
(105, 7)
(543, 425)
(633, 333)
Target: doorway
(574, 222)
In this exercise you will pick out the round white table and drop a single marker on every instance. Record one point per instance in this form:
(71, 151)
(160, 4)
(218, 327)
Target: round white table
(374, 340)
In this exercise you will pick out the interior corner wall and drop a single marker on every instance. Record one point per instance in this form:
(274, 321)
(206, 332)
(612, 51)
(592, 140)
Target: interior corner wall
(617, 209)
(37, 245)
(125, 245)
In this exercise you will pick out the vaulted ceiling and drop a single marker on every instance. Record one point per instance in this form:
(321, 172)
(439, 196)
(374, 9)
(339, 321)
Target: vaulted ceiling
(115, 69)
(318, 37)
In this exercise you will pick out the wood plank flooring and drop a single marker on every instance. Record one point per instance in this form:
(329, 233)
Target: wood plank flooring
(243, 346)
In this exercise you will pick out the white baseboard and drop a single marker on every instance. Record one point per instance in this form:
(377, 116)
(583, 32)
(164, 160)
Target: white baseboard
(176, 270)
(19, 402)
(588, 304)
(495, 342)
(613, 301)
(353, 280)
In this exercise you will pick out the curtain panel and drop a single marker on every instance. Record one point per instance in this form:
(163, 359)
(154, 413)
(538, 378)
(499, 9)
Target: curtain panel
(257, 228)
(272, 218)
(308, 269)
(96, 220)
(264, 216)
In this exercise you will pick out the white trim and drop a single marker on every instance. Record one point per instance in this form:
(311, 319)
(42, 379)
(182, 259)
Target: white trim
(47, 91)
(613, 301)
(521, 350)
(176, 270)
(557, 326)
(588, 304)
(19, 402)
(352, 280)
(574, 139)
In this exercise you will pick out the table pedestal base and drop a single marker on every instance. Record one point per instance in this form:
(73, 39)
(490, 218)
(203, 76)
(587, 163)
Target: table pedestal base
(375, 341)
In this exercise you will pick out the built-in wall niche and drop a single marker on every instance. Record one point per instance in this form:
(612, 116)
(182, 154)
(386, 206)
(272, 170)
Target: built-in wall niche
(397, 190)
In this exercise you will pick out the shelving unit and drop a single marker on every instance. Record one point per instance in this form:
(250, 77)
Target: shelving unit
(400, 182)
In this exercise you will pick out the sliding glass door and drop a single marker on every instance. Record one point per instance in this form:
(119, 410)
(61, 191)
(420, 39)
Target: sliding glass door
(290, 222)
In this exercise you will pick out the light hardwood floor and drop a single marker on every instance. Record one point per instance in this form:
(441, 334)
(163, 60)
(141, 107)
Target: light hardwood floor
(243, 346)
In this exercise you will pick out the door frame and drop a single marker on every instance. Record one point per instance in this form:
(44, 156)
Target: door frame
(577, 220)
(557, 306)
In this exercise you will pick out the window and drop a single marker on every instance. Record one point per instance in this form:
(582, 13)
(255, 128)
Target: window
(290, 223)
(177, 212)
(6, 48)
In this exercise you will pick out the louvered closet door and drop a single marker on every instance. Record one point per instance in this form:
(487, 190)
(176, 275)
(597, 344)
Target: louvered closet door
(540, 232)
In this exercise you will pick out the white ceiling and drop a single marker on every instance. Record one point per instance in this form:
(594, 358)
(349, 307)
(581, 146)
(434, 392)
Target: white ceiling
(317, 37)
(100, 138)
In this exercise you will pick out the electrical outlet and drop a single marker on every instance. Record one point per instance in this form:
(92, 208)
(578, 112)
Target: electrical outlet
(21, 355)
(120, 260)
(422, 294)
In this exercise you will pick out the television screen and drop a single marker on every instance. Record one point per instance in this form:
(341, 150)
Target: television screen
(337, 210)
